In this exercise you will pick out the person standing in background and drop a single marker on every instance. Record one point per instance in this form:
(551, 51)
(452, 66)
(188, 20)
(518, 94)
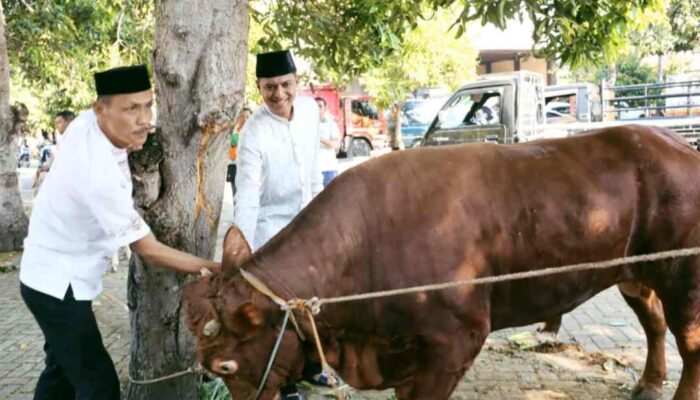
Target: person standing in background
(330, 140)
(47, 153)
(233, 148)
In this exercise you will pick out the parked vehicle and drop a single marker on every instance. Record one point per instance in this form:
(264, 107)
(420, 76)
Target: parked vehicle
(652, 100)
(673, 105)
(499, 108)
(416, 116)
(361, 124)
(510, 108)
(576, 102)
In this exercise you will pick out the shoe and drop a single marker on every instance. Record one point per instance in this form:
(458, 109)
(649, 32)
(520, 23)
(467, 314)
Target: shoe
(290, 392)
(322, 379)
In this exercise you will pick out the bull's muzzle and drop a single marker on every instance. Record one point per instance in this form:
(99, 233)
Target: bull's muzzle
(211, 328)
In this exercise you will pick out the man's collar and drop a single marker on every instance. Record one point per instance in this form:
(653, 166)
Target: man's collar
(269, 112)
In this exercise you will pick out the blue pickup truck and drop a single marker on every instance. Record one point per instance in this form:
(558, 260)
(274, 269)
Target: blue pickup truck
(416, 116)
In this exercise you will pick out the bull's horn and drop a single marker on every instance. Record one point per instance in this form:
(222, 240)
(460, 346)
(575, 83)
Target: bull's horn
(205, 272)
(211, 328)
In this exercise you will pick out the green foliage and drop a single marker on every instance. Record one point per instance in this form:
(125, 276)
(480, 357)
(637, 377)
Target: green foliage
(347, 38)
(675, 27)
(627, 70)
(55, 46)
(584, 32)
(344, 38)
(631, 72)
(684, 18)
(431, 56)
(214, 390)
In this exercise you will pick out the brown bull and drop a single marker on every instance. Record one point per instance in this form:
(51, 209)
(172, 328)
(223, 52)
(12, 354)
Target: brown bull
(456, 212)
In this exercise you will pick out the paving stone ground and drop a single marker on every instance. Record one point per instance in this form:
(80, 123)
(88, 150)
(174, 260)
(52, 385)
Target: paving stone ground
(602, 353)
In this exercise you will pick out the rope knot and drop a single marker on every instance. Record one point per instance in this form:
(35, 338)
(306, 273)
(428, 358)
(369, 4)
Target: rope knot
(313, 304)
(294, 304)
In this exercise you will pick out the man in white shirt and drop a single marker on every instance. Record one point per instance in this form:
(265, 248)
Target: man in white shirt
(82, 215)
(330, 140)
(278, 171)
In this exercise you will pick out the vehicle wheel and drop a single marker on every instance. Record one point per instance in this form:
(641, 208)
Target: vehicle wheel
(359, 148)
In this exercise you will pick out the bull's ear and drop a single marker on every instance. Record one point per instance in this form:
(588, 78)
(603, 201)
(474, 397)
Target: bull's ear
(236, 250)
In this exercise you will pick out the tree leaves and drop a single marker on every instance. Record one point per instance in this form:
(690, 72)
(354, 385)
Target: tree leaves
(55, 46)
(429, 56)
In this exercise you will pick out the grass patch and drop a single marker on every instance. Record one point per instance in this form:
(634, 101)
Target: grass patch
(9, 261)
(213, 390)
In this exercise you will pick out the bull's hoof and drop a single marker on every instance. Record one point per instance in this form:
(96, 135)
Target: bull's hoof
(641, 393)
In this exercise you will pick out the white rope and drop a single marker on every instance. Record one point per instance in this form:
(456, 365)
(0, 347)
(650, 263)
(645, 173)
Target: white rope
(190, 370)
(509, 277)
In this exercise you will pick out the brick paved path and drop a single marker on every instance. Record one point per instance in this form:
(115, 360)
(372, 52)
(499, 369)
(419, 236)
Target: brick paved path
(604, 324)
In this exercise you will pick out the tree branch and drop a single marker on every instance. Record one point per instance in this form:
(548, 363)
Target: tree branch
(31, 10)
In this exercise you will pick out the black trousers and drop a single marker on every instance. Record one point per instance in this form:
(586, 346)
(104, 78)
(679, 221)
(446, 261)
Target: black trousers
(78, 366)
(231, 177)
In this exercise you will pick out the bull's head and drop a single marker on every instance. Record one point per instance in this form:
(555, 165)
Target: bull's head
(235, 327)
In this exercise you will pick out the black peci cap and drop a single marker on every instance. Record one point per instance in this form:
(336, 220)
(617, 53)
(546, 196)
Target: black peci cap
(122, 80)
(275, 63)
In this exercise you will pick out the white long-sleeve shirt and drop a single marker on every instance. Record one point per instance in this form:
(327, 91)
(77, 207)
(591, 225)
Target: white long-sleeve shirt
(278, 170)
(83, 213)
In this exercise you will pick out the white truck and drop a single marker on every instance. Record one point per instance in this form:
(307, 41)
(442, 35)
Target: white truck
(511, 108)
(499, 108)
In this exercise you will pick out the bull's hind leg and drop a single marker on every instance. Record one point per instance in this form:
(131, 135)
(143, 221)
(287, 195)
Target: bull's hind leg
(650, 313)
(682, 309)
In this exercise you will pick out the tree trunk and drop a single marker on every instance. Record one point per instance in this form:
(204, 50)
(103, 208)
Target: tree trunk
(612, 74)
(200, 57)
(13, 220)
(395, 137)
(660, 68)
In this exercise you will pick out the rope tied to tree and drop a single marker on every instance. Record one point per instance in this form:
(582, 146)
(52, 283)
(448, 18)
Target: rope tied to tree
(191, 370)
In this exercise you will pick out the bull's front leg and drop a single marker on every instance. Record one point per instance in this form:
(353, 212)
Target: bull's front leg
(649, 310)
(442, 364)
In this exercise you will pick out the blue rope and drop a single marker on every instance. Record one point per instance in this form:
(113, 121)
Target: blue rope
(274, 354)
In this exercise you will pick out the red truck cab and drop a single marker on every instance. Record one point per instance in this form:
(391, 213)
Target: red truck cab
(361, 124)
